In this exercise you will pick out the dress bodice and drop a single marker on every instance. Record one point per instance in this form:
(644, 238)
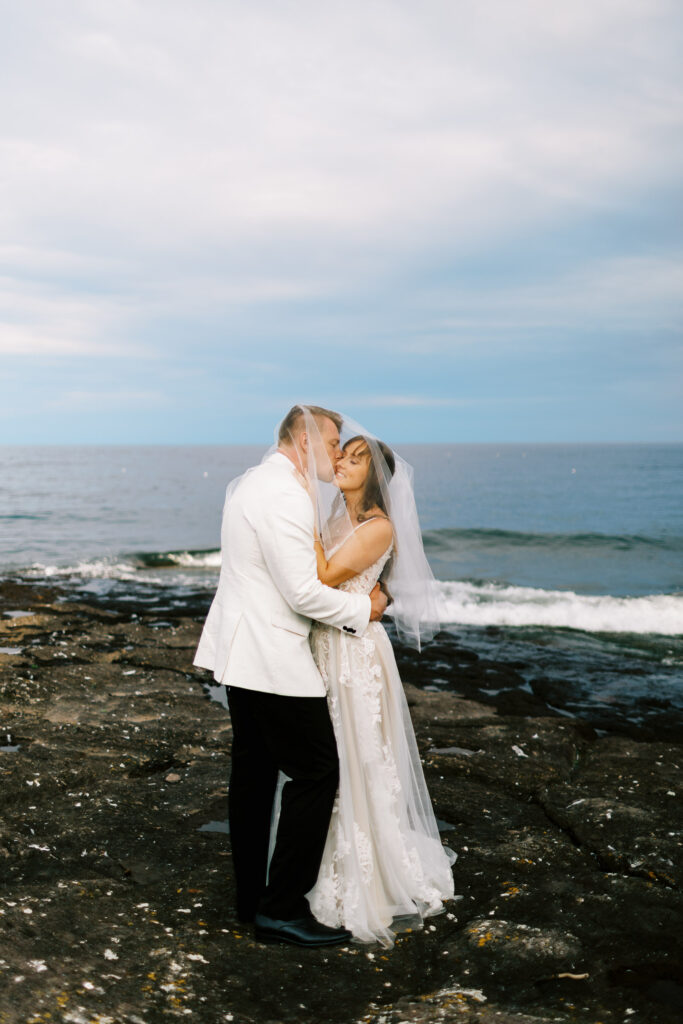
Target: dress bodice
(365, 580)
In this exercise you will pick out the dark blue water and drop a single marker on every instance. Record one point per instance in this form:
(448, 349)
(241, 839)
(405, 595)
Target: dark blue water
(572, 553)
(595, 519)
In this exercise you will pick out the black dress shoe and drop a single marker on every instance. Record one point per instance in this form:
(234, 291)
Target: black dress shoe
(302, 931)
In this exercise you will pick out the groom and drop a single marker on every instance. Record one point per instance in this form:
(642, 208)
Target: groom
(255, 640)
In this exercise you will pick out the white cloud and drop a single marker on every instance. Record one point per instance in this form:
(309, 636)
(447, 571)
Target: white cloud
(18, 339)
(39, 320)
(399, 402)
(159, 128)
(402, 401)
(96, 401)
(179, 178)
(621, 292)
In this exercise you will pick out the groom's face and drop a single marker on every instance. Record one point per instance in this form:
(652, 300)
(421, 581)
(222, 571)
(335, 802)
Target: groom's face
(326, 449)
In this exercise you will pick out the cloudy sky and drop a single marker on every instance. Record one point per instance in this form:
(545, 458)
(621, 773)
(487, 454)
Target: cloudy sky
(455, 220)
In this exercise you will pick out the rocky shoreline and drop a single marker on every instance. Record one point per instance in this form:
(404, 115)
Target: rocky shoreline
(116, 902)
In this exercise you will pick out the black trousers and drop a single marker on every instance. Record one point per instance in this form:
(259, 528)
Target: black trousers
(294, 735)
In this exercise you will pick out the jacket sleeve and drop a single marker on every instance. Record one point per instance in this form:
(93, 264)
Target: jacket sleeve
(285, 534)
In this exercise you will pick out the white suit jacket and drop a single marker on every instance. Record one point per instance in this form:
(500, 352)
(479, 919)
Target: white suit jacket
(256, 633)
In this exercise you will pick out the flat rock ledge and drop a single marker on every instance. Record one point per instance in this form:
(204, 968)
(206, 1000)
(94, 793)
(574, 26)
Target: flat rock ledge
(116, 903)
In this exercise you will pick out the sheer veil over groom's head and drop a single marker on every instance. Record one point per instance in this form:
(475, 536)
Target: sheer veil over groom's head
(314, 438)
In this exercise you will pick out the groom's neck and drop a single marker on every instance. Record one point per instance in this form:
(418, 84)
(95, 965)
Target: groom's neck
(292, 454)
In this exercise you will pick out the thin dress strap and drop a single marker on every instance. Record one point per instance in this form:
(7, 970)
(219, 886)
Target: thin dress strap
(369, 521)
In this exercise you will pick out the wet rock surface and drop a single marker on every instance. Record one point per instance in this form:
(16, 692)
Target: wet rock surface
(116, 906)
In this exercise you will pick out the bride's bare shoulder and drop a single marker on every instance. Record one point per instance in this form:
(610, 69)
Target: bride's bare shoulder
(377, 523)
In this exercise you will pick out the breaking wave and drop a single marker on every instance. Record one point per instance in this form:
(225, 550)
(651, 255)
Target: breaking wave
(472, 603)
(498, 604)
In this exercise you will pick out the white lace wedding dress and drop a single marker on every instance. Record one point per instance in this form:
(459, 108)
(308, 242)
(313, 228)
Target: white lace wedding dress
(384, 867)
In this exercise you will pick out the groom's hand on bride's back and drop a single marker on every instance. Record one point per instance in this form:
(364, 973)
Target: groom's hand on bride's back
(385, 590)
(378, 603)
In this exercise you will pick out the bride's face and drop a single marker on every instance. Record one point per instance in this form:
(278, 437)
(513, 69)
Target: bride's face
(352, 468)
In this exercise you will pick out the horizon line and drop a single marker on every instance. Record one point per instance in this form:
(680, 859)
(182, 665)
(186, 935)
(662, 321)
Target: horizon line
(259, 444)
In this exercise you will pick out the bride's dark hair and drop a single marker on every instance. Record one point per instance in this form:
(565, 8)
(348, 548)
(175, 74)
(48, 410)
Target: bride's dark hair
(373, 496)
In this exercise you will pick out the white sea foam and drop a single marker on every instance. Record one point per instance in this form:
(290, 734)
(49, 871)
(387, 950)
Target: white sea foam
(126, 572)
(460, 603)
(159, 570)
(98, 568)
(197, 560)
(492, 604)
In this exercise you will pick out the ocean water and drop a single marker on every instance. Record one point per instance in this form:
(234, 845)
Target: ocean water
(576, 549)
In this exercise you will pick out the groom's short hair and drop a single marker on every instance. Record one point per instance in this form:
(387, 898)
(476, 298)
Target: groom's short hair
(291, 424)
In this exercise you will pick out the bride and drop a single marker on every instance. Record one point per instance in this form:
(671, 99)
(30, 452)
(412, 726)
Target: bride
(384, 868)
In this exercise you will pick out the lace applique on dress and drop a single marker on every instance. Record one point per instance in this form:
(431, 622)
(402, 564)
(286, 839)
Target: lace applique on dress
(383, 858)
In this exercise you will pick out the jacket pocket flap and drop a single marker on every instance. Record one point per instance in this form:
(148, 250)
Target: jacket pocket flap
(292, 625)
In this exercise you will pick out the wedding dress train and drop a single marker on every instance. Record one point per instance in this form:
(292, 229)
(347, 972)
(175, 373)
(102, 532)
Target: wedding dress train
(384, 867)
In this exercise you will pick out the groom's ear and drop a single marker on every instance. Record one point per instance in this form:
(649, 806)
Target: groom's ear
(303, 441)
